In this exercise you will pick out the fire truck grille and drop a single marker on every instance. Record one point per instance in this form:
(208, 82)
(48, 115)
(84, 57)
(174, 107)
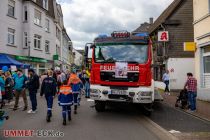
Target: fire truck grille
(110, 76)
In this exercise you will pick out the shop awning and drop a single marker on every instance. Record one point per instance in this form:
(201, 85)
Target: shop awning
(5, 60)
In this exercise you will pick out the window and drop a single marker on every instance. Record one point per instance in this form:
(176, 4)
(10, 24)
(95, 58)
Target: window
(11, 36)
(47, 25)
(37, 42)
(58, 33)
(209, 6)
(206, 66)
(206, 60)
(11, 8)
(159, 50)
(58, 52)
(45, 4)
(25, 39)
(47, 46)
(37, 17)
(25, 13)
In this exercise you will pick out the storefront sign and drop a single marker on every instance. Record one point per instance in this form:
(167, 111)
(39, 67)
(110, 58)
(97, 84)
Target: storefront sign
(189, 46)
(163, 36)
(31, 59)
(56, 57)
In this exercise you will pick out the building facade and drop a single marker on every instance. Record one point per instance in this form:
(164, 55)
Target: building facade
(170, 55)
(31, 32)
(77, 58)
(202, 54)
(66, 51)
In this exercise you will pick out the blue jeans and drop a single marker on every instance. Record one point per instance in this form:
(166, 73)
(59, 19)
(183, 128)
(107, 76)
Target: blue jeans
(167, 84)
(49, 100)
(87, 89)
(32, 95)
(192, 100)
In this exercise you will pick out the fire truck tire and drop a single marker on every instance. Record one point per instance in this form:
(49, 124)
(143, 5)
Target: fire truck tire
(100, 106)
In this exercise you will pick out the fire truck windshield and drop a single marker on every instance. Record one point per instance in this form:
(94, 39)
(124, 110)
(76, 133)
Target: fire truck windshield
(133, 53)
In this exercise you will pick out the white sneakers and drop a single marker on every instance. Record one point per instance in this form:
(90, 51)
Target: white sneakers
(31, 111)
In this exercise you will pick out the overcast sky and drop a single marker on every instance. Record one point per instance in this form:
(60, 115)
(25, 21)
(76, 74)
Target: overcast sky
(85, 19)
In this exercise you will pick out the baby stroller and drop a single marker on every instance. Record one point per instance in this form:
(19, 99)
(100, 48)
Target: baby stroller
(182, 99)
(3, 116)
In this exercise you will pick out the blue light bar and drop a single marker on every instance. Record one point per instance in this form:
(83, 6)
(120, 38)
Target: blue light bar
(142, 34)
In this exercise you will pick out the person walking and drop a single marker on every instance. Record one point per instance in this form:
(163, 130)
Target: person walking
(75, 83)
(191, 86)
(86, 83)
(33, 86)
(166, 79)
(9, 84)
(65, 100)
(20, 89)
(48, 88)
(2, 89)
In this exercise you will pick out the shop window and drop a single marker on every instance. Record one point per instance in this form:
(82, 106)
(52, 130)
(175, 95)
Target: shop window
(206, 67)
(206, 63)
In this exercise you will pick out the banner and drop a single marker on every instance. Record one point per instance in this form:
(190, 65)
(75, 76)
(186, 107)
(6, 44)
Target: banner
(121, 70)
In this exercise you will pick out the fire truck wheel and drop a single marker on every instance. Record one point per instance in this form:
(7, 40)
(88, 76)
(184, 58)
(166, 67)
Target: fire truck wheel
(100, 106)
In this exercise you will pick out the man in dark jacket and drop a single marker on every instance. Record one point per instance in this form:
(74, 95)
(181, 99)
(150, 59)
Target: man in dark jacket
(33, 86)
(49, 89)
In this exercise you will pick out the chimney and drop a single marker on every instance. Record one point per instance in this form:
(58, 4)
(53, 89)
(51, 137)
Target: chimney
(151, 20)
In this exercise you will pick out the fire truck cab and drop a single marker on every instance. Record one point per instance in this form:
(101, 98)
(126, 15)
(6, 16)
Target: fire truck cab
(121, 69)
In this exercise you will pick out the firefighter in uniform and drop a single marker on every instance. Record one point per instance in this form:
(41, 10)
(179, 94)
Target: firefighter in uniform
(49, 89)
(75, 83)
(65, 99)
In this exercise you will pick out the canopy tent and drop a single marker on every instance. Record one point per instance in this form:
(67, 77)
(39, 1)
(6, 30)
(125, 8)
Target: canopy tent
(5, 60)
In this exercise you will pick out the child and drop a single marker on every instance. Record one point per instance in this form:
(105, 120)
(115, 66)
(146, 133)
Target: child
(75, 82)
(65, 99)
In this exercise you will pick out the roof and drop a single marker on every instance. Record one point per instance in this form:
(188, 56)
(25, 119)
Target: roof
(142, 28)
(166, 13)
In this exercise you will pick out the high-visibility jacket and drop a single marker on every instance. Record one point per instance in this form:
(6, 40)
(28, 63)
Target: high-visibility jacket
(75, 83)
(65, 96)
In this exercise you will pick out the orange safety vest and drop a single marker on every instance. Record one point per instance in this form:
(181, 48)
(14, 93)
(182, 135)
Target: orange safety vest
(74, 79)
(65, 89)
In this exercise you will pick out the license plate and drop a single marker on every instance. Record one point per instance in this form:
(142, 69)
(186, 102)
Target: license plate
(119, 92)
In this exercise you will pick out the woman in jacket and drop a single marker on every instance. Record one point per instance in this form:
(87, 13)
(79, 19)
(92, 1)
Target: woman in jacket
(9, 83)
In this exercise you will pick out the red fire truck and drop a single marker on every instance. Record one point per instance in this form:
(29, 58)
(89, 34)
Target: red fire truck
(121, 69)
